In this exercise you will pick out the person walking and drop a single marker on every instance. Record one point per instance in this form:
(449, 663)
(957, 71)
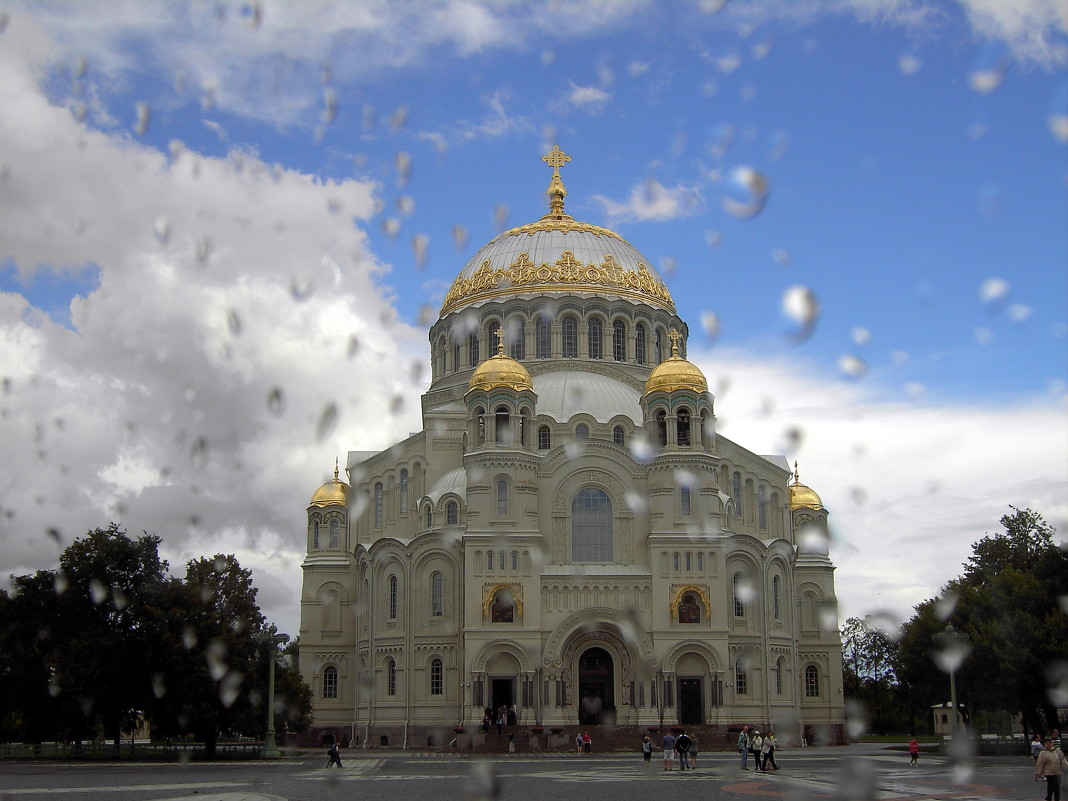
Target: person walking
(756, 742)
(743, 746)
(587, 743)
(767, 752)
(693, 752)
(682, 745)
(669, 751)
(914, 752)
(1051, 763)
(334, 754)
(647, 749)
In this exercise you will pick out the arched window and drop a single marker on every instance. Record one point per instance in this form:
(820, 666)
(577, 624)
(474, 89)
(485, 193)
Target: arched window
(515, 560)
(456, 355)
(618, 436)
(503, 426)
(596, 338)
(437, 677)
(582, 432)
(762, 509)
(452, 513)
(429, 516)
(658, 349)
(543, 338)
(439, 357)
(689, 562)
(736, 493)
(392, 597)
(500, 560)
(480, 425)
(391, 677)
(775, 590)
(661, 428)
(330, 682)
(684, 500)
(689, 609)
(741, 678)
(502, 498)
(489, 561)
(812, 682)
(544, 439)
(570, 337)
(404, 491)
(683, 427)
(378, 505)
(437, 594)
(700, 561)
(619, 341)
(516, 338)
(591, 526)
(675, 562)
(779, 664)
(333, 532)
(315, 533)
(491, 340)
(472, 350)
(639, 344)
(739, 603)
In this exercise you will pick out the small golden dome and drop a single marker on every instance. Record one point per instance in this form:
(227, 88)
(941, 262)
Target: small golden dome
(332, 492)
(500, 371)
(802, 495)
(676, 372)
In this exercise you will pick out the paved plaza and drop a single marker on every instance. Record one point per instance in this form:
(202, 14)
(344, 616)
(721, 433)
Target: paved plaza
(851, 772)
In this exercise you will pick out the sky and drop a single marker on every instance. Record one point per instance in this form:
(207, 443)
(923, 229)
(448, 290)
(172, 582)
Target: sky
(225, 229)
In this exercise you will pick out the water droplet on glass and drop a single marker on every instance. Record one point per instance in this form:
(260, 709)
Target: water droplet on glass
(420, 244)
(144, 116)
(500, 215)
(118, 598)
(950, 650)
(427, 314)
(189, 638)
(301, 289)
(761, 49)
(60, 583)
(983, 336)
(915, 390)
(745, 193)
(199, 452)
(1020, 313)
(327, 422)
(712, 6)
(852, 366)
(781, 257)
(159, 686)
(162, 230)
(329, 106)
(391, 227)
(713, 238)
(710, 322)
(253, 14)
(728, 61)
(98, 591)
(399, 118)
(802, 307)
(856, 719)
(203, 250)
(861, 336)
(396, 404)
(403, 164)
(353, 347)
(233, 322)
(993, 290)
(276, 403)
(405, 205)
(4, 20)
(909, 64)
(81, 67)
(459, 236)
(989, 68)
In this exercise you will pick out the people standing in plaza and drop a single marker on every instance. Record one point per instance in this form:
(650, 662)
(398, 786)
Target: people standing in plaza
(1036, 747)
(743, 746)
(767, 752)
(334, 754)
(914, 751)
(512, 715)
(1050, 765)
(501, 717)
(578, 743)
(669, 751)
(756, 742)
(682, 746)
(587, 743)
(485, 723)
(693, 752)
(647, 749)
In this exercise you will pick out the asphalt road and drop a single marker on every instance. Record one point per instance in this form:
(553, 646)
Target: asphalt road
(840, 774)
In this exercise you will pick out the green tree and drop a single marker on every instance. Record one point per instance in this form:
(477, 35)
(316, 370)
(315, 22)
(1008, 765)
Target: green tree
(868, 655)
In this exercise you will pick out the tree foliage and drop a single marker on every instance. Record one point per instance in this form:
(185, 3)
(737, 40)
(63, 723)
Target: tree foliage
(111, 638)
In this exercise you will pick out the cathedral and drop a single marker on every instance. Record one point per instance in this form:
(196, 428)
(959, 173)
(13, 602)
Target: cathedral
(568, 534)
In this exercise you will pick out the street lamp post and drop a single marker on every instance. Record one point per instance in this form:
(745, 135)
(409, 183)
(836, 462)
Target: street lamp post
(953, 649)
(272, 639)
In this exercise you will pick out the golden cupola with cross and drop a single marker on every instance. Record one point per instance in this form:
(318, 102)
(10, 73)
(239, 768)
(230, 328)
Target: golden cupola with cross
(676, 372)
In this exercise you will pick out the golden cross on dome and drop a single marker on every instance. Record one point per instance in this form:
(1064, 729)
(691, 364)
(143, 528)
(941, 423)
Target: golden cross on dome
(335, 468)
(556, 158)
(674, 336)
(499, 333)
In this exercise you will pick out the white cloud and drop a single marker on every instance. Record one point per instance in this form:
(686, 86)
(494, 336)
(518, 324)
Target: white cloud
(652, 201)
(910, 486)
(587, 97)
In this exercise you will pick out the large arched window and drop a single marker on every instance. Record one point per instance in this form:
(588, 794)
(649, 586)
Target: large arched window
(619, 341)
(429, 516)
(596, 338)
(812, 682)
(544, 439)
(682, 426)
(741, 678)
(582, 432)
(684, 500)
(776, 589)
(661, 428)
(437, 594)
(502, 424)
(315, 532)
(456, 355)
(491, 340)
(334, 525)
(739, 602)
(330, 682)
(780, 665)
(762, 509)
(392, 597)
(543, 338)
(378, 505)
(570, 337)
(391, 677)
(439, 357)
(639, 344)
(618, 435)
(516, 338)
(437, 677)
(452, 513)
(591, 526)
(658, 348)
(502, 498)
(404, 491)
(472, 350)
(736, 494)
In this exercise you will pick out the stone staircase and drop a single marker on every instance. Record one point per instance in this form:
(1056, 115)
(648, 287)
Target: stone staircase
(605, 739)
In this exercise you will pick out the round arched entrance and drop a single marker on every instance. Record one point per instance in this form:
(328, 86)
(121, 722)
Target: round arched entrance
(596, 687)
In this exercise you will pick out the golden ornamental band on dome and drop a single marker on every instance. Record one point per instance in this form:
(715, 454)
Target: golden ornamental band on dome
(676, 372)
(802, 496)
(332, 492)
(500, 370)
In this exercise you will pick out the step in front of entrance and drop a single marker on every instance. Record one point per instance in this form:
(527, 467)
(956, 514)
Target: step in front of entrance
(613, 739)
